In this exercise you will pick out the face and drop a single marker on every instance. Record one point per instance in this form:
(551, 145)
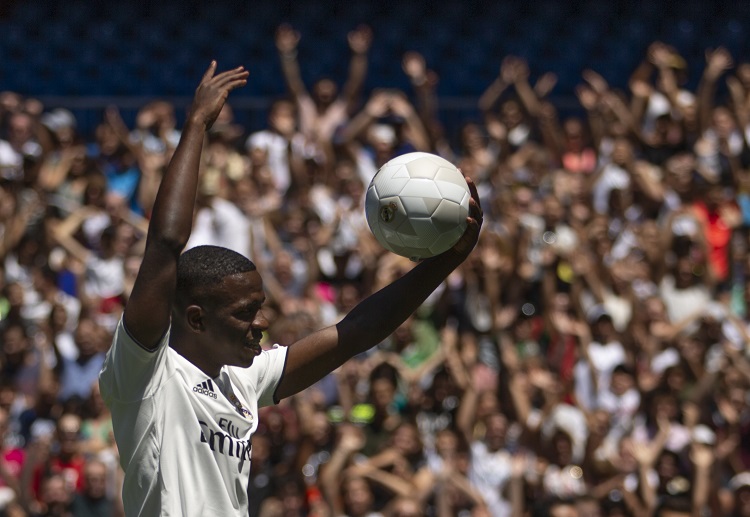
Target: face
(497, 425)
(20, 128)
(234, 328)
(511, 114)
(407, 508)
(723, 122)
(621, 382)
(107, 139)
(96, 477)
(282, 118)
(54, 491)
(406, 439)
(564, 510)
(383, 392)
(573, 133)
(446, 443)
(357, 496)
(622, 151)
(86, 337)
(68, 434)
(472, 136)
(15, 342)
(587, 508)
(324, 91)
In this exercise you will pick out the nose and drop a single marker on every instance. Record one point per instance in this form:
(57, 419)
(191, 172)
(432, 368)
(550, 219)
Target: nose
(260, 322)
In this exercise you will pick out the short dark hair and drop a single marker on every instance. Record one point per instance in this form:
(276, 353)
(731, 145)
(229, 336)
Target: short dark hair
(201, 268)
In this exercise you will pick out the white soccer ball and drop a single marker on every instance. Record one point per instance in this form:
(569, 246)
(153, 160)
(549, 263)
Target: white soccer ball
(417, 205)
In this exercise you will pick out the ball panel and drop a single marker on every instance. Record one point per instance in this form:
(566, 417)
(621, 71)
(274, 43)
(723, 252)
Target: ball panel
(447, 216)
(390, 212)
(452, 193)
(372, 204)
(451, 175)
(420, 188)
(446, 240)
(425, 230)
(417, 234)
(422, 168)
(389, 181)
(408, 157)
(452, 187)
(419, 206)
(440, 161)
(402, 172)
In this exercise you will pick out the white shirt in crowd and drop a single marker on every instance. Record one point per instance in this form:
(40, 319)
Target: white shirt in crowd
(489, 473)
(604, 358)
(222, 224)
(277, 148)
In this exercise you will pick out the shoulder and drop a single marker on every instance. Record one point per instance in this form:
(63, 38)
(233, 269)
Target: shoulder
(267, 359)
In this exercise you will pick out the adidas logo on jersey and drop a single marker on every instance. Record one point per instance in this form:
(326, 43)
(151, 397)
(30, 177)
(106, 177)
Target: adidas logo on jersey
(205, 388)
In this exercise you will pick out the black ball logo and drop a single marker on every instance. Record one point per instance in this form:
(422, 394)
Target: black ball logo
(388, 212)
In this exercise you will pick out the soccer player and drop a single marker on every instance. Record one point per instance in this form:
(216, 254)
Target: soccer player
(185, 375)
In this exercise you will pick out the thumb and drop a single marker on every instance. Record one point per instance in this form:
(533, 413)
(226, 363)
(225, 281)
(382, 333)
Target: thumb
(210, 72)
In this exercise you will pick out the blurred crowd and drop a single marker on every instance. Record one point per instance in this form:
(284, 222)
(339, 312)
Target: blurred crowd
(590, 359)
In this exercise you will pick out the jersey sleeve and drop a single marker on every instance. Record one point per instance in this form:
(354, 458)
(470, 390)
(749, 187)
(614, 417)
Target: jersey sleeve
(132, 372)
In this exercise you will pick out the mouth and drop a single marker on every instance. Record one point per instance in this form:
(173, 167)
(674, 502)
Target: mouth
(254, 346)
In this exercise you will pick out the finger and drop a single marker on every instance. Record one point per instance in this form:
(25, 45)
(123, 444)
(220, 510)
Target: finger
(473, 190)
(235, 84)
(210, 72)
(238, 73)
(225, 81)
(475, 210)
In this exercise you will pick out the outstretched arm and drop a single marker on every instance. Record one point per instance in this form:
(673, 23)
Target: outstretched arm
(287, 40)
(360, 40)
(718, 61)
(148, 310)
(376, 317)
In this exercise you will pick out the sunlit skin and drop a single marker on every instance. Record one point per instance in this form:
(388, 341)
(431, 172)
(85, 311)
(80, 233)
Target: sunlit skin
(230, 326)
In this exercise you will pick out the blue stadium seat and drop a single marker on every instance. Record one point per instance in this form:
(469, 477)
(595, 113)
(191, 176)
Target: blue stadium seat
(77, 13)
(27, 13)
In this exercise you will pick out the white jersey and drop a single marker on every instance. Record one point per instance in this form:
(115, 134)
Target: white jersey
(184, 438)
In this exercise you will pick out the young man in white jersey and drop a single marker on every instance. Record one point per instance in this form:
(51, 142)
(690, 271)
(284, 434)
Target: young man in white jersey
(186, 374)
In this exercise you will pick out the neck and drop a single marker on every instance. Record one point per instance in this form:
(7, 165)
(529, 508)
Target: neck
(189, 349)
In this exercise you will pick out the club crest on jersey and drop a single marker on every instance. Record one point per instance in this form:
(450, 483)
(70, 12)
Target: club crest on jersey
(205, 388)
(240, 408)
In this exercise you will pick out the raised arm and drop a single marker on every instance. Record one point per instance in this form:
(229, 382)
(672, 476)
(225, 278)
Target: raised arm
(415, 130)
(490, 96)
(424, 82)
(718, 61)
(376, 317)
(287, 40)
(378, 106)
(147, 312)
(359, 40)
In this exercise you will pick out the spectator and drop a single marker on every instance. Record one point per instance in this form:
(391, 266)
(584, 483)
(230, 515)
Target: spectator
(93, 500)
(324, 111)
(595, 344)
(11, 465)
(55, 498)
(79, 375)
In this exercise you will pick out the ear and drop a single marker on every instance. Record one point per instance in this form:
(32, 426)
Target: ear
(194, 316)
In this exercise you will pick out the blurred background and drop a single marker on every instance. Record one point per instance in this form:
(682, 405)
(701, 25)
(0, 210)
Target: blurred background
(589, 359)
(84, 55)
